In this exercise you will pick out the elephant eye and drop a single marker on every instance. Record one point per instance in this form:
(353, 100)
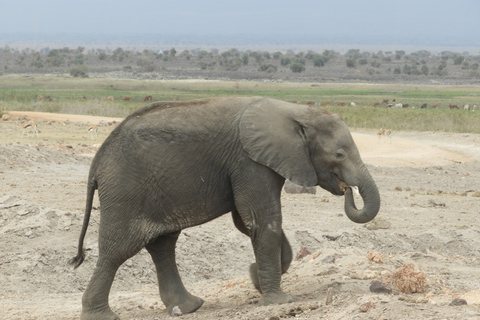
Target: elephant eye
(341, 154)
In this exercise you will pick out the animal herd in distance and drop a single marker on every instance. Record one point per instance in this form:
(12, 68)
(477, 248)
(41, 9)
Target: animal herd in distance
(386, 103)
(31, 127)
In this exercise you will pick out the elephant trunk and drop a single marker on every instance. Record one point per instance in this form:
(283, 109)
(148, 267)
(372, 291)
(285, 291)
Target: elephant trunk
(371, 201)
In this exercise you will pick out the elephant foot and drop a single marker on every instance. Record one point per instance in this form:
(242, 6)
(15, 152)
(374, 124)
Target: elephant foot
(99, 315)
(275, 298)
(254, 276)
(182, 306)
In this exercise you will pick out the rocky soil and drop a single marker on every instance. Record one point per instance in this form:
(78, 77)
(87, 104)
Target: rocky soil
(429, 219)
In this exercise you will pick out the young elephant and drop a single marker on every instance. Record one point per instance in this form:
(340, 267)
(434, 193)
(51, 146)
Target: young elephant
(174, 165)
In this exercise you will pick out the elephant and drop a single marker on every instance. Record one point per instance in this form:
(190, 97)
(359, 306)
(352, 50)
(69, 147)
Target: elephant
(176, 164)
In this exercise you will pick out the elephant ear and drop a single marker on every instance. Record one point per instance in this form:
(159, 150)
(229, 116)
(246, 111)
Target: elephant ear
(272, 135)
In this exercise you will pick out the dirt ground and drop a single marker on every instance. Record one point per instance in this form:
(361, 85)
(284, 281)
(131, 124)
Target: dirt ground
(429, 217)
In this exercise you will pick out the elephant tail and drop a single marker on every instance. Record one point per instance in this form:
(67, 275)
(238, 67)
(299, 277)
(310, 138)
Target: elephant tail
(77, 261)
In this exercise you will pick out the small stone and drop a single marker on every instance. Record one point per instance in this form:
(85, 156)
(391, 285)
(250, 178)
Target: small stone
(302, 253)
(374, 256)
(458, 302)
(367, 306)
(378, 223)
(176, 312)
(329, 259)
(380, 287)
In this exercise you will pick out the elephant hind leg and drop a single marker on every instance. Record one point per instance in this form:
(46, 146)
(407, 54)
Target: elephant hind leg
(112, 254)
(172, 290)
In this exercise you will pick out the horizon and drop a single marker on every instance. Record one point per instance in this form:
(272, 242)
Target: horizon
(38, 41)
(419, 23)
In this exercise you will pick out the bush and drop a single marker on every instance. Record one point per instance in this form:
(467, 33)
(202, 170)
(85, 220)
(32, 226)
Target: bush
(79, 71)
(285, 61)
(351, 63)
(297, 67)
(268, 68)
(458, 60)
(318, 61)
(425, 70)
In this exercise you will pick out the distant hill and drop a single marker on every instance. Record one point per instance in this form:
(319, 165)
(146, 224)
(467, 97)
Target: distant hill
(333, 41)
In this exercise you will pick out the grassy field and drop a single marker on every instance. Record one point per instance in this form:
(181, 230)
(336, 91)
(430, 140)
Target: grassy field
(88, 96)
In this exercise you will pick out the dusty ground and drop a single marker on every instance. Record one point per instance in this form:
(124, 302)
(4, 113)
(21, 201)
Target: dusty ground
(429, 217)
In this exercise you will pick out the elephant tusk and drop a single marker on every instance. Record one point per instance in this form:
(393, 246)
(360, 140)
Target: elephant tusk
(355, 190)
(343, 186)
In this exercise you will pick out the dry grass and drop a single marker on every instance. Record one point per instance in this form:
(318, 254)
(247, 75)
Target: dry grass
(88, 96)
(409, 279)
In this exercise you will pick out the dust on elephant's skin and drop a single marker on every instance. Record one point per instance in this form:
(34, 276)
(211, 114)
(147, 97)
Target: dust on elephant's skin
(176, 164)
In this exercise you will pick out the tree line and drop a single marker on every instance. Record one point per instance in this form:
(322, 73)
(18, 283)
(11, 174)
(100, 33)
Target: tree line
(79, 62)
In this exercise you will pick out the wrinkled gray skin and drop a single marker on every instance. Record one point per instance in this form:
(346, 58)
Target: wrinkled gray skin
(174, 165)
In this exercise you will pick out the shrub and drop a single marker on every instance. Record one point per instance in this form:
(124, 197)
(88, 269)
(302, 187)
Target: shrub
(79, 71)
(268, 68)
(318, 61)
(425, 70)
(285, 61)
(458, 60)
(409, 279)
(351, 63)
(297, 67)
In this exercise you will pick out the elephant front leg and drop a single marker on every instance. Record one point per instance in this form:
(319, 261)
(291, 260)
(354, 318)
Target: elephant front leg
(172, 290)
(286, 260)
(286, 250)
(268, 244)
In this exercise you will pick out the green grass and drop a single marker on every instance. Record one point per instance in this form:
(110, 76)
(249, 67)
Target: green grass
(21, 93)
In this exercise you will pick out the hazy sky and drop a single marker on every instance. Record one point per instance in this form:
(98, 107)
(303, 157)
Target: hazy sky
(448, 18)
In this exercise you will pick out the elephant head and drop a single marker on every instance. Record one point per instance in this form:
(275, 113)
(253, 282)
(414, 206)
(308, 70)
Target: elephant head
(309, 146)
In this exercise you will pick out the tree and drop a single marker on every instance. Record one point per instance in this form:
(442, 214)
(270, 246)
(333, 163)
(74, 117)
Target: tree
(285, 61)
(318, 61)
(351, 63)
(425, 70)
(102, 56)
(458, 60)
(268, 68)
(80, 70)
(297, 67)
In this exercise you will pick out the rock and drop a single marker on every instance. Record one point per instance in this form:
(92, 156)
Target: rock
(472, 297)
(176, 312)
(302, 253)
(367, 306)
(374, 256)
(329, 296)
(329, 259)
(380, 287)
(458, 302)
(369, 274)
(293, 188)
(378, 223)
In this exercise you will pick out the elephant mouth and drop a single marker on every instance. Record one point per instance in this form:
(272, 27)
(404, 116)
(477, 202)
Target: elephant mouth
(342, 185)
